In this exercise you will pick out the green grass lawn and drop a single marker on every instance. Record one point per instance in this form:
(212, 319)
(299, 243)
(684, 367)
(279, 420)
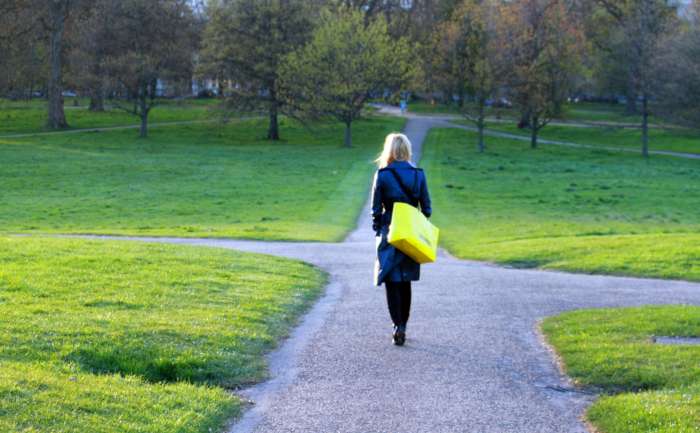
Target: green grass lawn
(598, 112)
(30, 116)
(425, 107)
(114, 336)
(578, 112)
(647, 387)
(570, 209)
(676, 139)
(192, 180)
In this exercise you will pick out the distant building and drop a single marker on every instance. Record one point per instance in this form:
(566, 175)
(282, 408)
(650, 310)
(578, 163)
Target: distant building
(205, 85)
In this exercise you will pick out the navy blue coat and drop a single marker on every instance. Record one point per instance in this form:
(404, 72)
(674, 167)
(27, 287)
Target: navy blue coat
(392, 264)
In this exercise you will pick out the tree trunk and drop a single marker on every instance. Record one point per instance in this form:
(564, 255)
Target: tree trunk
(558, 108)
(273, 131)
(348, 133)
(97, 94)
(533, 132)
(524, 119)
(480, 124)
(97, 102)
(143, 112)
(57, 117)
(631, 103)
(645, 126)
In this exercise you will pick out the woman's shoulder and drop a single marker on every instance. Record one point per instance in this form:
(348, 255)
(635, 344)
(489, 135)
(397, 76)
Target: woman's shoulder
(390, 171)
(399, 165)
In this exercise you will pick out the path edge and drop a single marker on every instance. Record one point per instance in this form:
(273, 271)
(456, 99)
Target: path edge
(283, 361)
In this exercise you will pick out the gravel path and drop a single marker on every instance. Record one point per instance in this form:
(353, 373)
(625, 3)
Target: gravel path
(474, 361)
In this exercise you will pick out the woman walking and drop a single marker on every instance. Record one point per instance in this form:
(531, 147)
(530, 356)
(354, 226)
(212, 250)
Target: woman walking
(396, 180)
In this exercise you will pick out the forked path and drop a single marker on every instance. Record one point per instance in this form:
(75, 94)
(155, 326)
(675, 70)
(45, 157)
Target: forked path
(473, 361)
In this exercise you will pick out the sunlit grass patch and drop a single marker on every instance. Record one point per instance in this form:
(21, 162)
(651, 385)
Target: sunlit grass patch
(137, 335)
(646, 387)
(193, 180)
(569, 209)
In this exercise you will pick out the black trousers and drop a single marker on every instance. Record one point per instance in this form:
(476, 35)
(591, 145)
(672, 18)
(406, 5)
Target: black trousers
(398, 296)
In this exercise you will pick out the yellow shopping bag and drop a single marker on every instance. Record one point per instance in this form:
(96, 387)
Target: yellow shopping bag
(412, 234)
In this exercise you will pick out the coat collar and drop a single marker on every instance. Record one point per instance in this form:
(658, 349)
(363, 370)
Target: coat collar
(399, 164)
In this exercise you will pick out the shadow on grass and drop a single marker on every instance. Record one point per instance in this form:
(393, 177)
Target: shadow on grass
(134, 355)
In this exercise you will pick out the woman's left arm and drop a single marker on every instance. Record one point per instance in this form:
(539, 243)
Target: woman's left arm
(425, 205)
(377, 207)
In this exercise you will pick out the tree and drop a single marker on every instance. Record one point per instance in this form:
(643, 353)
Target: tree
(540, 46)
(465, 57)
(343, 65)
(90, 42)
(416, 21)
(22, 50)
(245, 42)
(621, 44)
(629, 38)
(677, 81)
(606, 27)
(48, 19)
(643, 29)
(55, 24)
(152, 43)
(448, 61)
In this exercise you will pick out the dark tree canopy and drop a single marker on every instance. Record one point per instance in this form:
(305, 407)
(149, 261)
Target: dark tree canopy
(244, 44)
(152, 42)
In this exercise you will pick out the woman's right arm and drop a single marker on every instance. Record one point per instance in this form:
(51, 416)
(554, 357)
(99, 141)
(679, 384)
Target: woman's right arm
(377, 207)
(425, 204)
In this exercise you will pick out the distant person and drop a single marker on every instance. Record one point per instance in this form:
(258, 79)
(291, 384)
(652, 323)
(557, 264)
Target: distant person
(404, 106)
(396, 180)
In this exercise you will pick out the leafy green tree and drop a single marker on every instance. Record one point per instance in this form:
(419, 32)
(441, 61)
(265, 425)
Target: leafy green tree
(344, 64)
(245, 41)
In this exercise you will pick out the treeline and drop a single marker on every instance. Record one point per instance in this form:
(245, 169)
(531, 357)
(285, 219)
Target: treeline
(320, 58)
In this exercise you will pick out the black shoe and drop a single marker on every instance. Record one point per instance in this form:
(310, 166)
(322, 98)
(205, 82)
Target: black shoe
(399, 336)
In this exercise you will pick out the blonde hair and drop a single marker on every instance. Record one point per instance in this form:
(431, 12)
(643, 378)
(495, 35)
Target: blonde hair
(397, 147)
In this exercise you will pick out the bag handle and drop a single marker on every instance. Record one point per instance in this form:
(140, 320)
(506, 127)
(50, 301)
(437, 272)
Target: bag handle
(408, 193)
